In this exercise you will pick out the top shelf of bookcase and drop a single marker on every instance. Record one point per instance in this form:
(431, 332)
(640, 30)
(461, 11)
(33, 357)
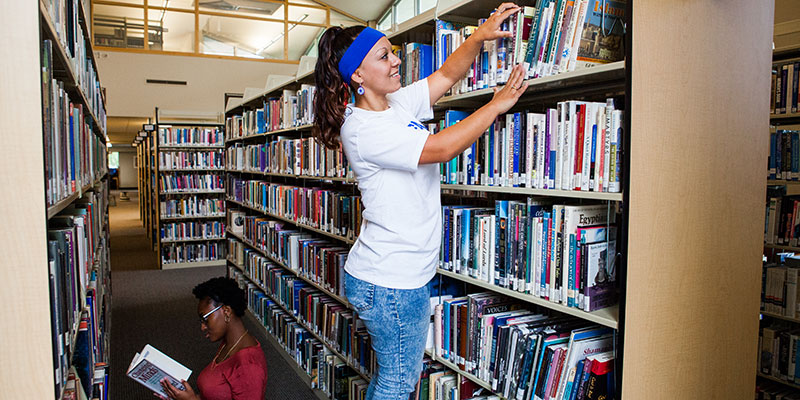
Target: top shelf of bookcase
(306, 78)
(63, 69)
(420, 28)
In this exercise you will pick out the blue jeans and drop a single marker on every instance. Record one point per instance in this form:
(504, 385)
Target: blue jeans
(397, 322)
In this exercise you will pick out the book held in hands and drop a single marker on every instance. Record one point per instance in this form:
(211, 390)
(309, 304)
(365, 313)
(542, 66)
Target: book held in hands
(150, 366)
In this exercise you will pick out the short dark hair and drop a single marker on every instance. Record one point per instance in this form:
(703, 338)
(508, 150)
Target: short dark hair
(223, 291)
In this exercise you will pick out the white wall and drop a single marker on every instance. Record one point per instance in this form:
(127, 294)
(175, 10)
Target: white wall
(124, 76)
(127, 172)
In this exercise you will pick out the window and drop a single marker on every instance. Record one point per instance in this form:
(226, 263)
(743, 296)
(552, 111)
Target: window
(251, 29)
(385, 23)
(425, 5)
(113, 160)
(404, 10)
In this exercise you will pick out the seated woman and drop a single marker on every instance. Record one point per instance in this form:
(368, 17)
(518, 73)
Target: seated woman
(239, 370)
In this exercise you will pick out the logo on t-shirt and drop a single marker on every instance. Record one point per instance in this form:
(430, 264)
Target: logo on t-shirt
(416, 125)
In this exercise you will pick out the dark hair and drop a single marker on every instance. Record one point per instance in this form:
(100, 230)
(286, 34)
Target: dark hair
(223, 291)
(329, 101)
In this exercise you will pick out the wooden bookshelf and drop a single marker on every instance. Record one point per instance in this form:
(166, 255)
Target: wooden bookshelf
(191, 191)
(64, 70)
(607, 316)
(192, 240)
(161, 124)
(309, 177)
(271, 133)
(27, 335)
(601, 78)
(465, 375)
(194, 264)
(298, 224)
(191, 147)
(193, 170)
(781, 381)
(575, 194)
(320, 395)
(280, 263)
(191, 217)
(779, 316)
(781, 247)
(305, 326)
(667, 250)
(53, 210)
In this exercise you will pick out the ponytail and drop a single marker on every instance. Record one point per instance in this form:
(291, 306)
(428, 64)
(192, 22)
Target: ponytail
(332, 92)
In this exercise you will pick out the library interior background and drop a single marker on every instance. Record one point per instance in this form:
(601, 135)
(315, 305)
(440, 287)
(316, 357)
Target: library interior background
(629, 229)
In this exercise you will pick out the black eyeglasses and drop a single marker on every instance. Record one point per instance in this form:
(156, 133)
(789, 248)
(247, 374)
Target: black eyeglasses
(204, 318)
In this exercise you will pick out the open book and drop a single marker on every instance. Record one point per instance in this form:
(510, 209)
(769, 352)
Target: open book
(151, 366)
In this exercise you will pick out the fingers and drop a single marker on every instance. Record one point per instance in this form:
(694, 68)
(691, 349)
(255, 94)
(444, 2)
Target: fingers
(505, 7)
(517, 76)
(505, 14)
(168, 388)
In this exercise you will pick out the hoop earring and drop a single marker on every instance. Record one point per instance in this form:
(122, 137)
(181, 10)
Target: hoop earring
(360, 90)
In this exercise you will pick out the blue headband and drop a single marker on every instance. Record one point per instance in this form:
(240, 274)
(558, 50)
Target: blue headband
(357, 51)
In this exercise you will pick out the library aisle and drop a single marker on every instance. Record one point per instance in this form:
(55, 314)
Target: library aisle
(156, 307)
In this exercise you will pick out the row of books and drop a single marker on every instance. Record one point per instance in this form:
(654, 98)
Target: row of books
(769, 390)
(416, 61)
(779, 354)
(292, 109)
(780, 293)
(289, 156)
(437, 382)
(337, 325)
(192, 230)
(550, 37)
(784, 155)
(575, 146)
(782, 221)
(192, 206)
(524, 355)
(178, 253)
(326, 371)
(327, 210)
(314, 258)
(74, 155)
(183, 182)
(64, 14)
(73, 237)
(785, 82)
(190, 136)
(168, 160)
(562, 253)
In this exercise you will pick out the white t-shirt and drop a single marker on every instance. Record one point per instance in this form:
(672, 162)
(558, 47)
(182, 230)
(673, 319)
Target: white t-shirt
(401, 229)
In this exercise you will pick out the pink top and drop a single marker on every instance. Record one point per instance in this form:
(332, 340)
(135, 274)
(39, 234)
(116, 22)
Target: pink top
(243, 376)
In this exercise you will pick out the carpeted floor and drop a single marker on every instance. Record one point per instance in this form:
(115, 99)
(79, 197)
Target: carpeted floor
(151, 306)
(130, 247)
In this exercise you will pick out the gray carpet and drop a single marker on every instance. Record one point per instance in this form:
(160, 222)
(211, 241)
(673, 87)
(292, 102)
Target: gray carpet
(157, 307)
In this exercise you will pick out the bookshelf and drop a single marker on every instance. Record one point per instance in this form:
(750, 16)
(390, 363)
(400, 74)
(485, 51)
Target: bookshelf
(46, 202)
(188, 210)
(776, 314)
(668, 222)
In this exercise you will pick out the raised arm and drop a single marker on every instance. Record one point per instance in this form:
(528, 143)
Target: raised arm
(453, 140)
(458, 63)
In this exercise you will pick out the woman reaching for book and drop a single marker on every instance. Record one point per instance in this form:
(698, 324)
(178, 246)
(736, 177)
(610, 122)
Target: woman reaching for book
(395, 161)
(239, 370)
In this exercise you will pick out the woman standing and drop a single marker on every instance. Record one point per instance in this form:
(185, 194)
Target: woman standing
(239, 370)
(395, 162)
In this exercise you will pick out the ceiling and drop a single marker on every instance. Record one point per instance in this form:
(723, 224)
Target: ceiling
(366, 10)
(122, 130)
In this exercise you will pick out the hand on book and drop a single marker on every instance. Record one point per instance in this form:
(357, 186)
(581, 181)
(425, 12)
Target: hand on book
(177, 394)
(490, 30)
(506, 97)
